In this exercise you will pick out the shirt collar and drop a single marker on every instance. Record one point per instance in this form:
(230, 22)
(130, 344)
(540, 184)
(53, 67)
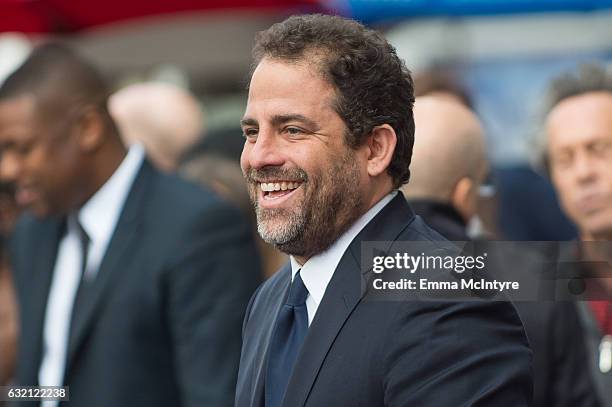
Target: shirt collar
(318, 270)
(100, 213)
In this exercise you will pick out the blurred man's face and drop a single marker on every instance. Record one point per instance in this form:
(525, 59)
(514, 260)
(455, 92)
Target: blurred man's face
(580, 145)
(305, 182)
(37, 156)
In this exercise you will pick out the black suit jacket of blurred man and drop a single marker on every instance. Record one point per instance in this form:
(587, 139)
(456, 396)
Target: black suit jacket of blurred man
(389, 353)
(560, 363)
(161, 325)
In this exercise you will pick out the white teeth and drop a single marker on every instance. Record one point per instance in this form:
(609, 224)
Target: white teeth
(267, 186)
(278, 186)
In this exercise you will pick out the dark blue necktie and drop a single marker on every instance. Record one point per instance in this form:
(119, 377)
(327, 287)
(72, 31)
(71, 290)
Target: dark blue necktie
(83, 291)
(287, 338)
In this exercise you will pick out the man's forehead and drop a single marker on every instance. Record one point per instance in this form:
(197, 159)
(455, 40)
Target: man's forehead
(292, 103)
(17, 115)
(571, 109)
(583, 116)
(17, 106)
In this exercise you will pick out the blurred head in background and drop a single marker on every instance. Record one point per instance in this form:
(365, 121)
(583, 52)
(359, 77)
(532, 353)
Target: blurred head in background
(215, 163)
(449, 159)
(58, 143)
(165, 118)
(442, 82)
(579, 148)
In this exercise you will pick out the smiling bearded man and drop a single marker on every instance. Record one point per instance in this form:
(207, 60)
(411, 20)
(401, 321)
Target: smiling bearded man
(328, 137)
(330, 202)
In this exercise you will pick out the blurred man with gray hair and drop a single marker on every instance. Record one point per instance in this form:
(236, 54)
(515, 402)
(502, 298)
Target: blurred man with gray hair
(579, 151)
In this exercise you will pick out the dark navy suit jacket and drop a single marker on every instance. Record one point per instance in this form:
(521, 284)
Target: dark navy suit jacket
(161, 323)
(390, 353)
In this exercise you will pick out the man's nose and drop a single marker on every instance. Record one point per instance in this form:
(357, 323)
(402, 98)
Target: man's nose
(584, 168)
(265, 151)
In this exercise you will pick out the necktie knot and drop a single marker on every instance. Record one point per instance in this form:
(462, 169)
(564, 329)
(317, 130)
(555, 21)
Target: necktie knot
(297, 292)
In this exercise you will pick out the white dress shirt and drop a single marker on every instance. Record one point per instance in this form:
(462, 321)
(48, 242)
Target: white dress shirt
(318, 270)
(98, 217)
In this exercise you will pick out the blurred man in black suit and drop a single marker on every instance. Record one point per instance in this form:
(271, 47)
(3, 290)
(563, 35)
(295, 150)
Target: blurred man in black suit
(131, 284)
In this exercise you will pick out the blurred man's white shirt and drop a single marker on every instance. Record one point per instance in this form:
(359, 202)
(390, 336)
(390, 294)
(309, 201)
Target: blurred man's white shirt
(98, 217)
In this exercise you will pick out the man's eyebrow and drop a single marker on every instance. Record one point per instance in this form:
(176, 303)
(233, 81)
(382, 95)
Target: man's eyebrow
(280, 119)
(277, 120)
(247, 121)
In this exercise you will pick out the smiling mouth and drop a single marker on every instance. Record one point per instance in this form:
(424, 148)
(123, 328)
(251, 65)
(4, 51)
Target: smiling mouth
(25, 196)
(278, 189)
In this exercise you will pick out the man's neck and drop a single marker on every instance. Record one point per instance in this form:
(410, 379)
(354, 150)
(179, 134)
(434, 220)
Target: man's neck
(103, 166)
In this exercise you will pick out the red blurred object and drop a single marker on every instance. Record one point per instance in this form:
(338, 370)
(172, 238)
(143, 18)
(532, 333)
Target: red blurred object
(60, 16)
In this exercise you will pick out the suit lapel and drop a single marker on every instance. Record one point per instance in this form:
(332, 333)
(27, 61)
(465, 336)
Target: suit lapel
(42, 265)
(113, 264)
(341, 297)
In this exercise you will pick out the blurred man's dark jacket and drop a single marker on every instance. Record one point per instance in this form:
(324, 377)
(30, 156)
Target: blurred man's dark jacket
(560, 363)
(576, 266)
(161, 325)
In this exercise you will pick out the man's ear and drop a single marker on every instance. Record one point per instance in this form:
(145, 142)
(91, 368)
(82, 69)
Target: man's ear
(463, 198)
(90, 129)
(381, 145)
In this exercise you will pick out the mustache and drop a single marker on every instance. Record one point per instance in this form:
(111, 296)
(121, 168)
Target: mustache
(269, 174)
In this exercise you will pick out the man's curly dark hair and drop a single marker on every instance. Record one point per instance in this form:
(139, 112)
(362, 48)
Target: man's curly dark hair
(372, 83)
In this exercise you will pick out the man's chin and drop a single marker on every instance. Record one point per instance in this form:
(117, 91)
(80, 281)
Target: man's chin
(274, 237)
(599, 229)
(41, 211)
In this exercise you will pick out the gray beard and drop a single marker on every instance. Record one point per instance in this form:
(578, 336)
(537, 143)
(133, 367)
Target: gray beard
(322, 219)
(283, 234)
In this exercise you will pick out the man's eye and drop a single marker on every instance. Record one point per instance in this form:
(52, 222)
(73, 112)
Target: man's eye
(294, 131)
(600, 148)
(249, 133)
(23, 149)
(562, 160)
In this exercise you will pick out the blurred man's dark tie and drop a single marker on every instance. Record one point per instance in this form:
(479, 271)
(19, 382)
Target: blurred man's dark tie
(85, 283)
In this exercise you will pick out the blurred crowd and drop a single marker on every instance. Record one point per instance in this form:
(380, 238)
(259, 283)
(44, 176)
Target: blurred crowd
(72, 153)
